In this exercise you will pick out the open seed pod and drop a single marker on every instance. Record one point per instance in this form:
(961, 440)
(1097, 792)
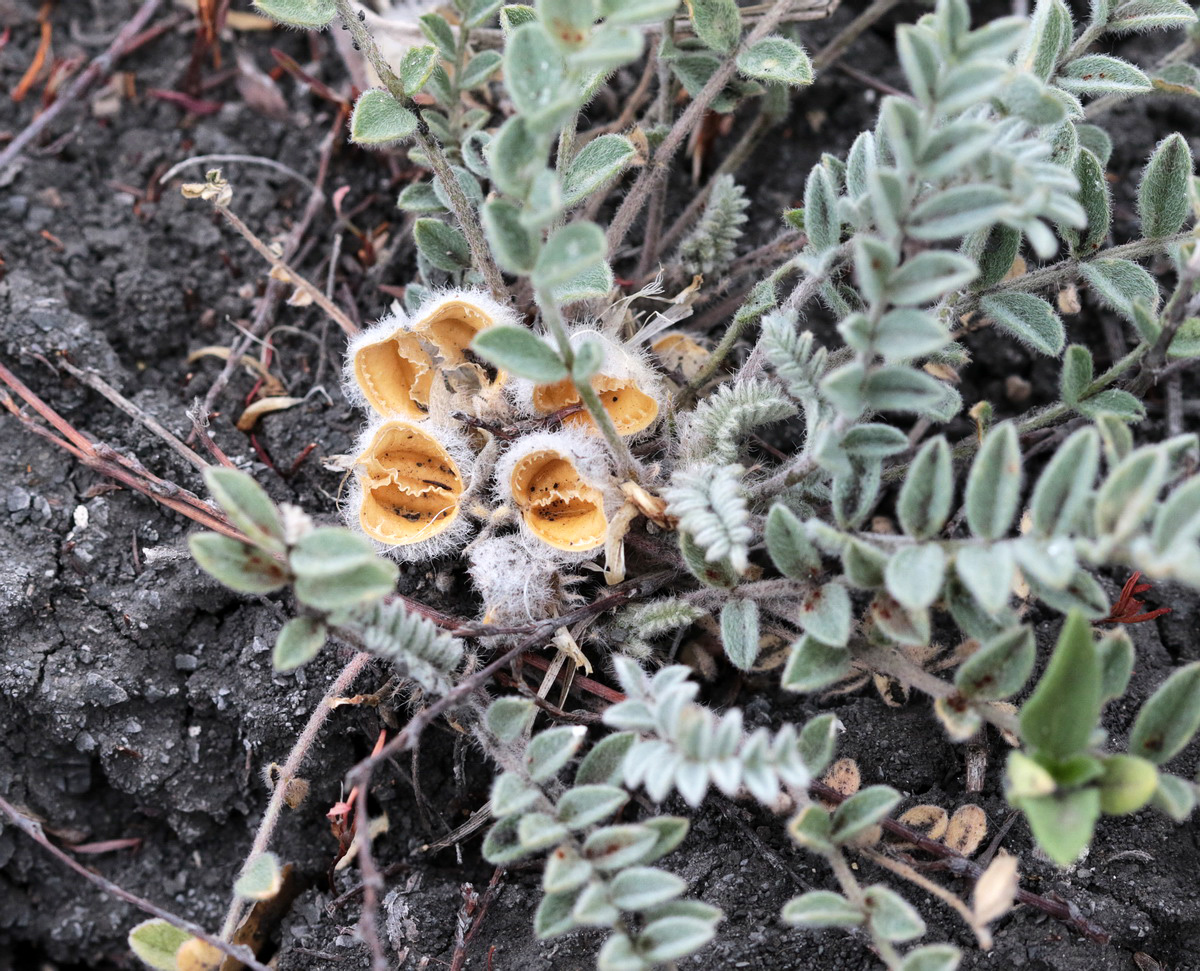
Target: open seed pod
(409, 484)
(628, 388)
(450, 320)
(389, 370)
(677, 351)
(556, 481)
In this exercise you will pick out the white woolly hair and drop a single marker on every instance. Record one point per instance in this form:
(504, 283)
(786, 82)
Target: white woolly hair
(623, 361)
(587, 452)
(453, 537)
(515, 578)
(380, 331)
(438, 299)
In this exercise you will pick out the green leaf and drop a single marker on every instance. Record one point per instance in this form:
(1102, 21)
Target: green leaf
(416, 67)
(669, 832)
(599, 162)
(379, 119)
(568, 22)
(1174, 796)
(776, 59)
(890, 915)
(420, 197)
(514, 246)
(999, 668)
(247, 505)
(519, 351)
(479, 12)
(813, 665)
(1059, 716)
(553, 915)
(510, 795)
(328, 550)
(1120, 284)
(552, 749)
(643, 887)
(873, 441)
(1101, 74)
(898, 388)
(994, 483)
(564, 872)
(585, 806)
(994, 253)
(928, 276)
(739, 632)
(788, 544)
(1163, 190)
(155, 942)
(1177, 522)
(861, 811)
(479, 69)
(298, 643)
(618, 847)
(1129, 494)
(718, 23)
(923, 505)
(1049, 36)
(821, 221)
(570, 251)
(1028, 318)
(671, 938)
(1116, 663)
(825, 613)
(513, 15)
(515, 156)
(1096, 200)
(1143, 15)
(1063, 823)
(932, 957)
(1169, 719)
(817, 740)
(508, 718)
(605, 762)
(821, 908)
(1127, 785)
(539, 831)
(238, 565)
(811, 828)
(1077, 373)
(593, 283)
(914, 575)
(260, 879)
(362, 584)
(987, 572)
(442, 245)
(438, 29)
(1064, 485)
(534, 71)
(920, 59)
(309, 14)
(959, 210)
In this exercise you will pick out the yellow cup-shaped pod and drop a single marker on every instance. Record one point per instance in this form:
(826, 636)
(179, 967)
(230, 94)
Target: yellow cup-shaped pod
(558, 506)
(557, 481)
(411, 485)
(628, 389)
(450, 321)
(679, 352)
(391, 370)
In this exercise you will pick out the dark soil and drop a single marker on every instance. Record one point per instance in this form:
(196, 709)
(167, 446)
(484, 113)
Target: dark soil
(137, 697)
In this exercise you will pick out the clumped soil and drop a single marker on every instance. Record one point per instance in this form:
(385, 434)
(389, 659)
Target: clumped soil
(137, 698)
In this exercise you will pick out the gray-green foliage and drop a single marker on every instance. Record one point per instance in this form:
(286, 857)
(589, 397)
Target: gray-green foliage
(710, 246)
(880, 529)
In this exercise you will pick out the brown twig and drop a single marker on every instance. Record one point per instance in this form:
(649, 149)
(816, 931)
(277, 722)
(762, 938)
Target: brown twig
(33, 829)
(100, 68)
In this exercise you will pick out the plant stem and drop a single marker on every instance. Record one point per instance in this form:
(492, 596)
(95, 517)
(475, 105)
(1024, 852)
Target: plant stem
(1173, 317)
(278, 263)
(481, 255)
(850, 887)
(656, 170)
(626, 463)
(266, 828)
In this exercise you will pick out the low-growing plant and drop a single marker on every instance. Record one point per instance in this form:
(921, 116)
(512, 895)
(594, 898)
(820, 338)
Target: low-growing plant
(525, 410)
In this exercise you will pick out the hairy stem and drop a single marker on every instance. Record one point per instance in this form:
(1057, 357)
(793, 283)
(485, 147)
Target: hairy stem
(850, 33)
(632, 205)
(481, 255)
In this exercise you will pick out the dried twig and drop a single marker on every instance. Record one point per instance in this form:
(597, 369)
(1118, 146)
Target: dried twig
(34, 831)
